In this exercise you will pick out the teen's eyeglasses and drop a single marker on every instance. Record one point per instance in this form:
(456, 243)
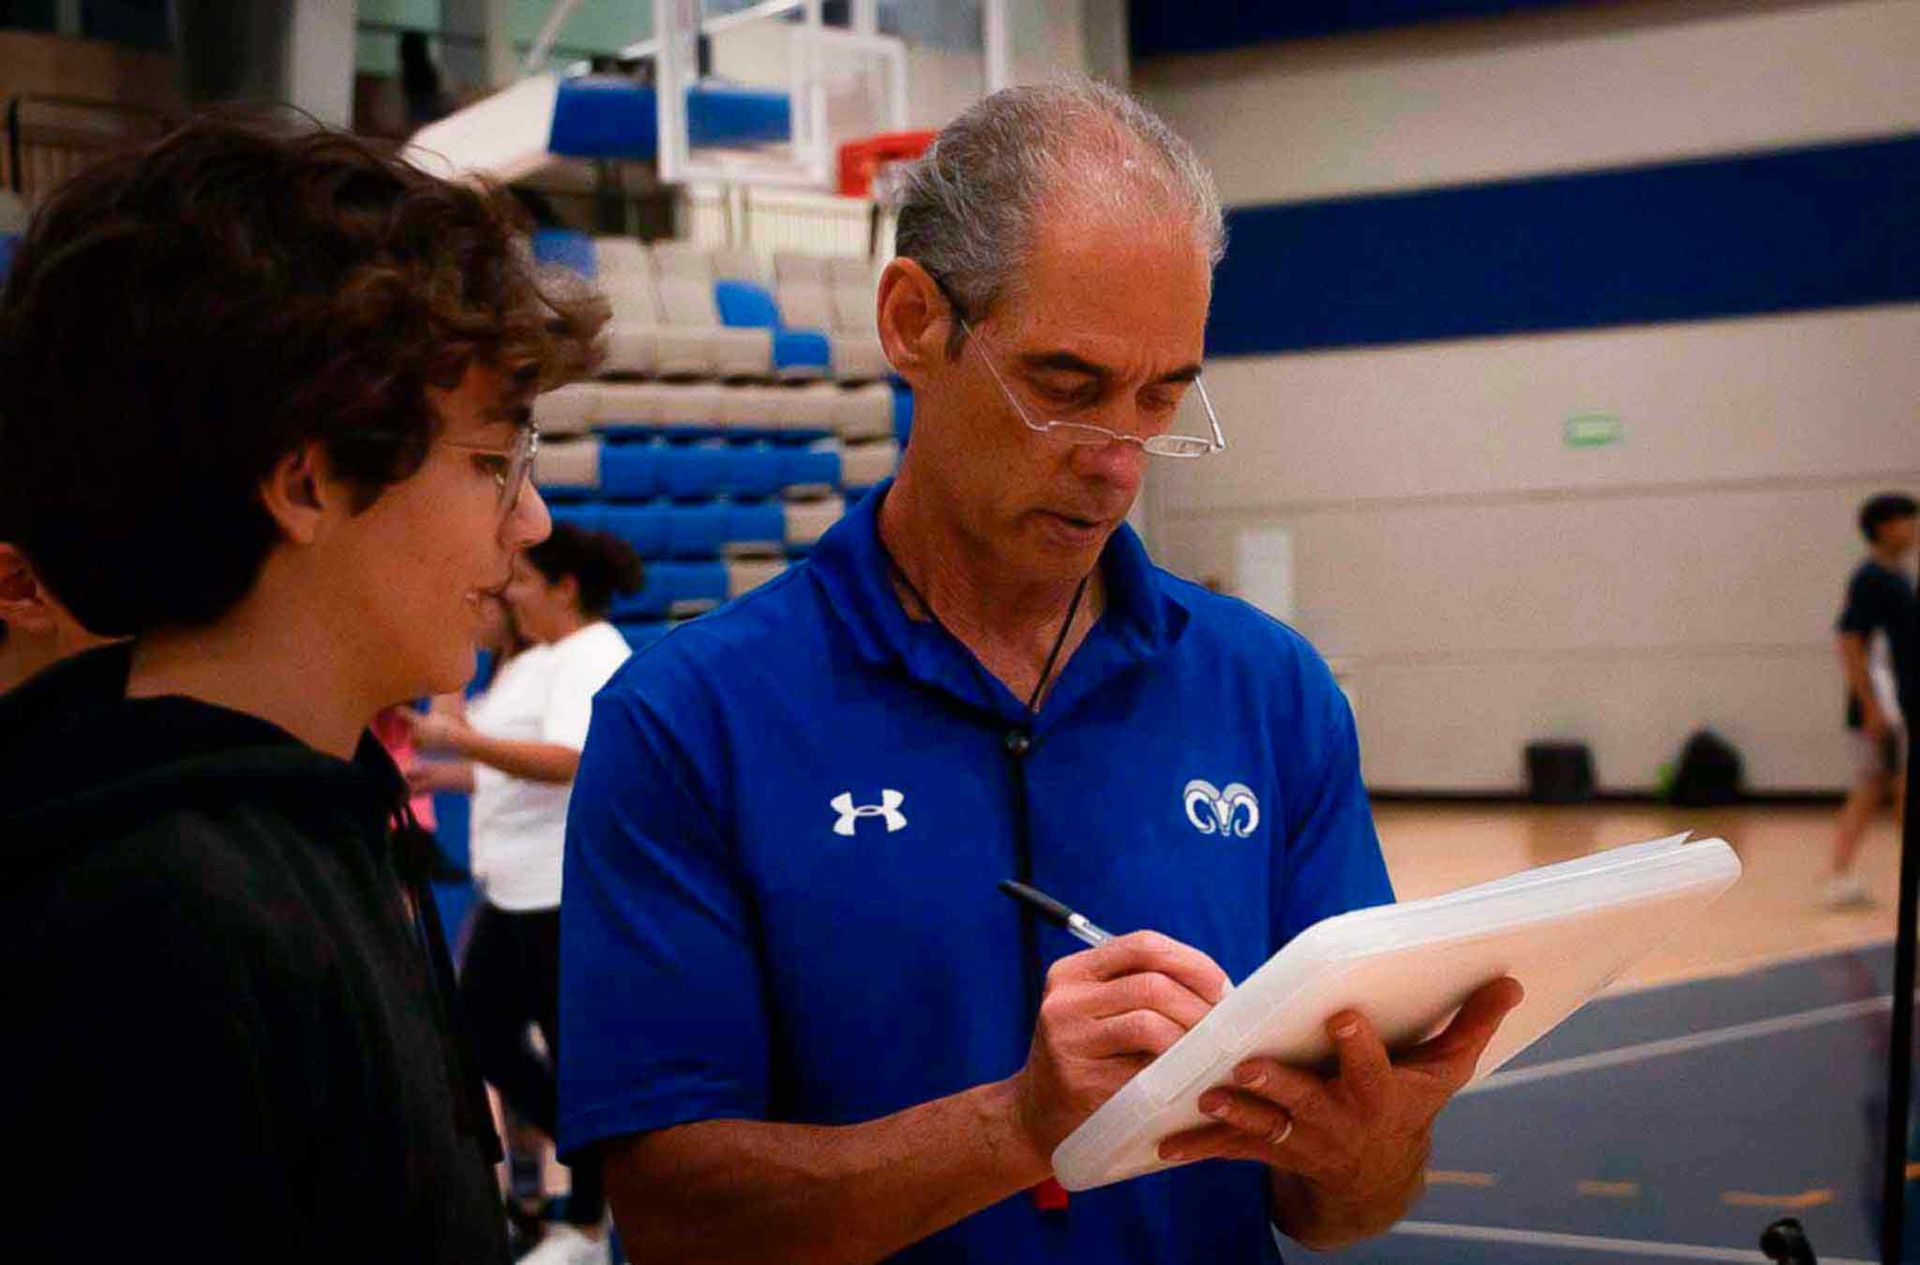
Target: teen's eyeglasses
(511, 468)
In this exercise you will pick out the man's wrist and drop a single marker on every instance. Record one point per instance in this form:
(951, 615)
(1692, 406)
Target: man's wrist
(1009, 1140)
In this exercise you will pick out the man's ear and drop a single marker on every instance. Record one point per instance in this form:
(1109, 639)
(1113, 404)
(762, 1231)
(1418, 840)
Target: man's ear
(24, 604)
(915, 319)
(298, 493)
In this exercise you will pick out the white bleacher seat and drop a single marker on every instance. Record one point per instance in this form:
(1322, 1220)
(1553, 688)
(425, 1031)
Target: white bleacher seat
(681, 259)
(617, 257)
(864, 465)
(853, 308)
(749, 407)
(675, 403)
(805, 307)
(859, 357)
(814, 406)
(568, 410)
(627, 404)
(630, 349)
(865, 412)
(568, 463)
(694, 343)
(807, 521)
(857, 354)
(738, 264)
(850, 270)
(747, 574)
(632, 338)
(793, 268)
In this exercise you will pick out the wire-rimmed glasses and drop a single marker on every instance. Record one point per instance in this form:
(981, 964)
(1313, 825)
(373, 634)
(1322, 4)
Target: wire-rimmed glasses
(514, 468)
(1088, 435)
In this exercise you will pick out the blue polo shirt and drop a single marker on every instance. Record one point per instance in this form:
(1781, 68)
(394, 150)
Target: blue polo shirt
(789, 825)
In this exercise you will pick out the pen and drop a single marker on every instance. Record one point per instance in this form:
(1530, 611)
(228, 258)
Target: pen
(1075, 925)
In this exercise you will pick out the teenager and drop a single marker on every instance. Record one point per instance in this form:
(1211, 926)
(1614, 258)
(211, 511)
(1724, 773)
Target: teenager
(266, 417)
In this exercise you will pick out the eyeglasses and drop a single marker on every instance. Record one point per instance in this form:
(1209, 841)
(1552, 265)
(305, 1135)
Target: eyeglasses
(1088, 435)
(511, 467)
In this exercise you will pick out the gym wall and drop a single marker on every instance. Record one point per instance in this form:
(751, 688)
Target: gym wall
(1564, 345)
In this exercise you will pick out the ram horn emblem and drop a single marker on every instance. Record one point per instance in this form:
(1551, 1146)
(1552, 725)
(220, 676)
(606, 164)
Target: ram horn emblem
(1234, 811)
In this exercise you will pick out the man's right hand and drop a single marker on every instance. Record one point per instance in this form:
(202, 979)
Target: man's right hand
(1107, 1013)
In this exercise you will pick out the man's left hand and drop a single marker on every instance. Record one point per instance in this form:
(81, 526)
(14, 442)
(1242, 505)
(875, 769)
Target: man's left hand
(1348, 1151)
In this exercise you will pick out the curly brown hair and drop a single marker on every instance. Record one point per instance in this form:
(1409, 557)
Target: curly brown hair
(180, 318)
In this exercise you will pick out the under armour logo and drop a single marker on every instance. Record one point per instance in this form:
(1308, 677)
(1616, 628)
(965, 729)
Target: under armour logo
(1234, 811)
(850, 813)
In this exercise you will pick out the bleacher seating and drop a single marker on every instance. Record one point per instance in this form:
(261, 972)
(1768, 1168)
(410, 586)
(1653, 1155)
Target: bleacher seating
(719, 461)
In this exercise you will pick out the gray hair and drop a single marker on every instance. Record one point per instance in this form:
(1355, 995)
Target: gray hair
(967, 207)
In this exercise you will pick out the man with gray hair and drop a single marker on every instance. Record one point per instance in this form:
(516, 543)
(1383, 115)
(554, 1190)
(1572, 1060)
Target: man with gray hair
(799, 1019)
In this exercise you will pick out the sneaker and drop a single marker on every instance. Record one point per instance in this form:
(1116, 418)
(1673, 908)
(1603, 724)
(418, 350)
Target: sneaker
(566, 1245)
(1844, 891)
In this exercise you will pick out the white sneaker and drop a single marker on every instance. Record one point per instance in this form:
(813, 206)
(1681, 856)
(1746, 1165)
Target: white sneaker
(1844, 891)
(563, 1244)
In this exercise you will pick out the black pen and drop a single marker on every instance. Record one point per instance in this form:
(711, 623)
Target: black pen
(1075, 925)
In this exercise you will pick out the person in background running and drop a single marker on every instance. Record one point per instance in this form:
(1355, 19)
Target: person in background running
(1877, 659)
(520, 743)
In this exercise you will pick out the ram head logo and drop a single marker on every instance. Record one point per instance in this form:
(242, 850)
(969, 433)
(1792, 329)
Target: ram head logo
(1234, 811)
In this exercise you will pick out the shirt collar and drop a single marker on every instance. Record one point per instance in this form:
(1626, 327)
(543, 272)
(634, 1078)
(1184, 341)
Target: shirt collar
(1144, 614)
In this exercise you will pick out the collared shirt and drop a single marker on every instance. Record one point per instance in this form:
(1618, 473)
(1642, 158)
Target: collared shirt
(792, 817)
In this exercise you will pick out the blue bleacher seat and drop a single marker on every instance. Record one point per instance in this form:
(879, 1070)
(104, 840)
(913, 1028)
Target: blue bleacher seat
(7, 241)
(645, 527)
(630, 472)
(565, 247)
(812, 467)
(582, 514)
(665, 529)
(697, 531)
(744, 305)
(801, 349)
(671, 586)
(902, 412)
(762, 524)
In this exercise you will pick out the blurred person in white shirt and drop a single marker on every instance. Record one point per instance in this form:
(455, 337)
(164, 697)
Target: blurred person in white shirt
(517, 748)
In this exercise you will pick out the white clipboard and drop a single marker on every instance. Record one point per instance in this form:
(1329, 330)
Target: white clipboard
(1564, 931)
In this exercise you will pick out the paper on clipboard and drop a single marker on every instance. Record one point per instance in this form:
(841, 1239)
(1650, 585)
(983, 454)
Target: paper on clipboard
(1564, 931)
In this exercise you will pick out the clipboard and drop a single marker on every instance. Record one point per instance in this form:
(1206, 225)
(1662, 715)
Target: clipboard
(1565, 931)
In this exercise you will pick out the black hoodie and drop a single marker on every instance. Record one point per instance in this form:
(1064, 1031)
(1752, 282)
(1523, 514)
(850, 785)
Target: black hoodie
(226, 1015)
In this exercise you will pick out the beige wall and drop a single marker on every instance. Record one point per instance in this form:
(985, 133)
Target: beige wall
(1477, 582)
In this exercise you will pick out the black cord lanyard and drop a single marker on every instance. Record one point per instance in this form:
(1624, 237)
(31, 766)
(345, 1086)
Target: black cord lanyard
(1048, 1197)
(1053, 655)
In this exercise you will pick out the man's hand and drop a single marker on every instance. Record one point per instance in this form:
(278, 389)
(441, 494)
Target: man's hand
(1107, 1013)
(1348, 1152)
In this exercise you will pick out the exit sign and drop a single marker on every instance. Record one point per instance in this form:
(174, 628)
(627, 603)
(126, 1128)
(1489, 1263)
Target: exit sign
(1592, 430)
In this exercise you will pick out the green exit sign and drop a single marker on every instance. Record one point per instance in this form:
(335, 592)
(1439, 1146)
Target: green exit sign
(1592, 430)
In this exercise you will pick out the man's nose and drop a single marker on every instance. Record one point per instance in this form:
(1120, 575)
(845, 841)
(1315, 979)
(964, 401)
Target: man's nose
(1119, 464)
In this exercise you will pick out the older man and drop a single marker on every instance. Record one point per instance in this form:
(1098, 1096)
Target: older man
(798, 1015)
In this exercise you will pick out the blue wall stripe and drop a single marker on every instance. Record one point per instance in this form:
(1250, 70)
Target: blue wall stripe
(1197, 26)
(1835, 226)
